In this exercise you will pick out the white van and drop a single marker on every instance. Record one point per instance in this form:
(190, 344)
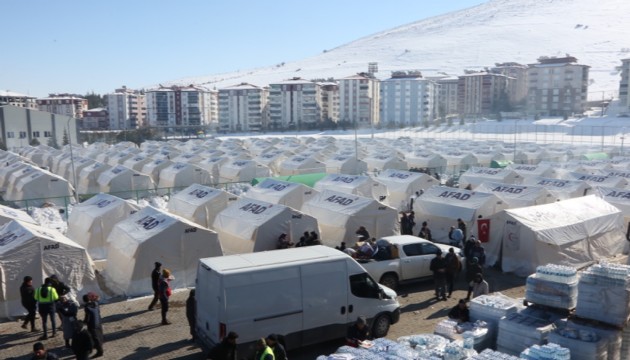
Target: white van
(308, 294)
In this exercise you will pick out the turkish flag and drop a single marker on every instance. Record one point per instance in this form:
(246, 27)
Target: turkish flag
(483, 229)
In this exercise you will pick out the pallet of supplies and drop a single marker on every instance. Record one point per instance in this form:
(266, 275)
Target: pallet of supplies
(604, 294)
(547, 352)
(554, 286)
(518, 331)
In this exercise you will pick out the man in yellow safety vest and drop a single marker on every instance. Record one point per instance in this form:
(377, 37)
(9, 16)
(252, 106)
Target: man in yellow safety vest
(46, 295)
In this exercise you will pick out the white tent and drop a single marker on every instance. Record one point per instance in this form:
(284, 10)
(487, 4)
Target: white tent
(88, 178)
(354, 184)
(598, 180)
(618, 197)
(589, 229)
(530, 156)
(344, 164)
(486, 156)
(15, 176)
(339, 215)
(426, 160)
(125, 183)
(532, 170)
(517, 195)
(137, 162)
(43, 186)
(242, 170)
(27, 249)
(154, 167)
(272, 159)
(213, 165)
(181, 175)
(441, 207)
(561, 189)
(298, 164)
(152, 235)
(401, 185)
(457, 161)
(200, 204)
(252, 225)
(618, 173)
(8, 214)
(120, 158)
(384, 161)
(281, 192)
(7, 170)
(474, 176)
(91, 221)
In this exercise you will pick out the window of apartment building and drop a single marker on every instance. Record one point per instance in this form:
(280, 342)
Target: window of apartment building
(10, 134)
(22, 134)
(47, 134)
(555, 99)
(36, 134)
(545, 91)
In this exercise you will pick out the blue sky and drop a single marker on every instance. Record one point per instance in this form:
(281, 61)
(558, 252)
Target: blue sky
(80, 46)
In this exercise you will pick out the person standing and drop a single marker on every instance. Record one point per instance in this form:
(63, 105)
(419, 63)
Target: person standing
(438, 266)
(62, 289)
(226, 349)
(263, 351)
(40, 353)
(46, 296)
(164, 290)
(461, 225)
(478, 252)
(68, 310)
(425, 232)
(93, 322)
(453, 267)
(27, 295)
(155, 281)
(405, 228)
(473, 268)
(455, 236)
(469, 245)
(82, 344)
(279, 353)
(191, 314)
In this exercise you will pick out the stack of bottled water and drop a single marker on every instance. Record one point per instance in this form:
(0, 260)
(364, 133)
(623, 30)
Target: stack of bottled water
(454, 351)
(553, 285)
(604, 294)
(519, 331)
(447, 328)
(424, 342)
(489, 354)
(490, 308)
(546, 352)
(557, 273)
(625, 343)
(584, 344)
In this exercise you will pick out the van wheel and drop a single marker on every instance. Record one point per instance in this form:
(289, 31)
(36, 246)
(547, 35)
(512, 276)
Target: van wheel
(380, 326)
(390, 280)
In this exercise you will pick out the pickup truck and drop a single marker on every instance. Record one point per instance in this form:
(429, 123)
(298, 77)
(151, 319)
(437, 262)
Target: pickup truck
(410, 260)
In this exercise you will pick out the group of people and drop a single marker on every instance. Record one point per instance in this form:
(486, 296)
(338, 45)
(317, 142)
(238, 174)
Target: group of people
(53, 298)
(160, 282)
(307, 239)
(270, 348)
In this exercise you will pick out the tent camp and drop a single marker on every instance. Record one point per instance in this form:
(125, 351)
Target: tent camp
(426, 160)
(91, 221)
(242, 170)
(154, 167)
(27, 249)
(200, 204)
(339, 216)
(137, 162)
(125, 183)
(250, 225)
(41, 187)
(272, 159)
(458, 161)
(598, 180)
(442, 206)
(474, 176)
(88, 178)
(298, 164)
(485, 157)
(401, 185)
(517, 195)
(561, 189)
(530, 156)
(153, 235)
(589, 229)
(181, 175)
(281, 192)
(344, 164)
(213, 165)
(8, 214)
(354, 184)
(6, 171)
(382, 161)
(526, 171)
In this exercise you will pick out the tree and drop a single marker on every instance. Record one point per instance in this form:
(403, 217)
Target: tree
(65, 140)
(34, 142)
(95, 100)
(52, 142)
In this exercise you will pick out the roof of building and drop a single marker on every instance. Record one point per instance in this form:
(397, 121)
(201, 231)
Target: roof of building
(295, 80)
(190, 87)
(242, 86)
(95, 110)
(9, 93)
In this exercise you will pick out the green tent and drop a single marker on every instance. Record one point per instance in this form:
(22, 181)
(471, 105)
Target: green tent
(595, 156)
(500, 164)
(306, 179)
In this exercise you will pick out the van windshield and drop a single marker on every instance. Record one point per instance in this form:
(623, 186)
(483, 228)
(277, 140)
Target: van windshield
(362, 285)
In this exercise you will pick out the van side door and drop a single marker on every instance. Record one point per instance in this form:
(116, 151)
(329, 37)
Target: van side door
(325, 301)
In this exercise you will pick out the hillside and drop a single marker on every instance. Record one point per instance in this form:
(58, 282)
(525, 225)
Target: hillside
(473, 38)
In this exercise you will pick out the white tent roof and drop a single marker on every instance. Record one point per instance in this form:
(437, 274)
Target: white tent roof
(91, 221)
(345, 164)
(598, 180)
(6, 171)
(154, 167)
(8, 214)
(517, 195)
(402, 184)
(250, 225)
(561, 189)
(200, 204)
(299, 164)
(152, 235)
(41, 187)
(179, 175)
(353, 184)
(281, 192)
(531, 170)
(383, 161)
(476, 175)
(124, 182)
(242, 170)
(340, 215)
(425, 159)
(88, 178)
(137, 162)
(27, 249)
(618, 197)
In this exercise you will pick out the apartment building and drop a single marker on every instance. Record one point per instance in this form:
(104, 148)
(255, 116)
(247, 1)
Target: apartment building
(329, 101)
(127, 109)
(624, 98)
(95, 119)
(63, 104)
(16, 99)
(407, 99)
(446, 95)
(179, 106)
(557, 86)
(482, 93)
(242, 107)
(294, 104)
(518, 87)
(359, 100)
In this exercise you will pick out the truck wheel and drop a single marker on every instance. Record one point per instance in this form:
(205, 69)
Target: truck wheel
(380, 326)
(390, 280)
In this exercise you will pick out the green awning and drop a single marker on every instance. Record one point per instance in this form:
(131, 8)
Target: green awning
(500, 164)
(306, 179)
(595, 156)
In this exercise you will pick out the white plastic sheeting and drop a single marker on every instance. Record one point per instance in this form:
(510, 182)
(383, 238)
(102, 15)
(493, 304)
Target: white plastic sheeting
(200, 204)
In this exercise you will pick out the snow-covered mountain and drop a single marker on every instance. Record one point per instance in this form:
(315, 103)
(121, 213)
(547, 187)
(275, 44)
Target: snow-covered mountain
(596, 32)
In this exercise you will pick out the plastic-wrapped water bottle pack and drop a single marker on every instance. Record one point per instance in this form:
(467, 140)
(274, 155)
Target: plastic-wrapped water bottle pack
(540, 290)
(584, 345)
(546, 352)
(519, 331)
(489, 354)
(604, 294)
(557, 273)
(424, 342)
(446, 328)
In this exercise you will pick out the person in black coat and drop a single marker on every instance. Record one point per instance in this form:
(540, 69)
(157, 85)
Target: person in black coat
(438, 266)
(226, 349)
(279, 353)
(27, 294)
(191, 313)
(62, 290)
(358, 332)
(93, 322)
(82, 343)
(460, 312)
(155, 284)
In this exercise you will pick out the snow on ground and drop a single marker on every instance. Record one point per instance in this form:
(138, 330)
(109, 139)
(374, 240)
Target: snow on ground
(49, 217)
